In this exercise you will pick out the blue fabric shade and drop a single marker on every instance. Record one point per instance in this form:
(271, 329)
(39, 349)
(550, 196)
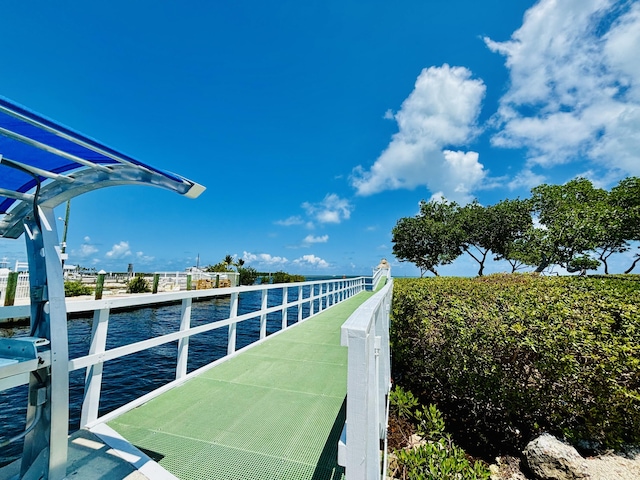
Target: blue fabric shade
(35, 141)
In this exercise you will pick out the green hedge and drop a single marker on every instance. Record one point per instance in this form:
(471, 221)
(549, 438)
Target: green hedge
(505, 357)
(76, 288)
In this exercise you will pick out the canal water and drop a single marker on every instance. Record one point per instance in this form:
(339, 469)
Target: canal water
(127, 378)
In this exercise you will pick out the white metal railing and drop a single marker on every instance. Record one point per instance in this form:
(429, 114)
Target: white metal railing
(320, 296)
(168, 281)
(366, 334)
(22, 289)
(378, 275)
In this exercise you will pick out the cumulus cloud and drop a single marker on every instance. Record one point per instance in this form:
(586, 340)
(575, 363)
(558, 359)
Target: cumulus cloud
(311, 260)
(85, 250)
(263, 259)
(142, 258)
(440, 113)
(293, 220)
(119, 250)
(526, 179)
(319, 239)
(332, 209)
(574, 89)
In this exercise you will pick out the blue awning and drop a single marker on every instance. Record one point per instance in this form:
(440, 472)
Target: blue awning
(42, 161)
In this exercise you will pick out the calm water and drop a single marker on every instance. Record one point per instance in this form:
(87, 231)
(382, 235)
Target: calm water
(129, 377)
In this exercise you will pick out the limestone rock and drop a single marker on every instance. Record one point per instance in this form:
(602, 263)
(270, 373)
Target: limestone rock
(550, 459)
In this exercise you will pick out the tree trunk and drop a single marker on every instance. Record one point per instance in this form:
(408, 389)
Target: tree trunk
(633, 265)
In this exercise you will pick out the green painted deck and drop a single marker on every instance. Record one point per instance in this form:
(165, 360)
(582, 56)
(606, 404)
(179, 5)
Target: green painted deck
(275, 411)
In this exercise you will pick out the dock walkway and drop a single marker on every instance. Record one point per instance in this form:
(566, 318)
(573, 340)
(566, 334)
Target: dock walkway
(275, 411)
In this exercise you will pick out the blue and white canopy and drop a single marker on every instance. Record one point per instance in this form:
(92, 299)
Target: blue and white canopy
(45, 163)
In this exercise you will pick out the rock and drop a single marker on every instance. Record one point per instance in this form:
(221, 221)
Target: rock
(614, 467)
(506, 468)
(550, 459)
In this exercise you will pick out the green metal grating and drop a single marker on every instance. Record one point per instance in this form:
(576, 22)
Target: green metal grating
(273, 412)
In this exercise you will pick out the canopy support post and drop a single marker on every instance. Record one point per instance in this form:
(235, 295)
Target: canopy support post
(45, 447)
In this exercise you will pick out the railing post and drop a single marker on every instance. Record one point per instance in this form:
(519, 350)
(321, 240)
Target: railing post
(99, 286)
(93, 377)
(12, 284)
(263, 316)
(285, 300)
(183, 343)
(299, 304)
(233, 312)
(312, 296)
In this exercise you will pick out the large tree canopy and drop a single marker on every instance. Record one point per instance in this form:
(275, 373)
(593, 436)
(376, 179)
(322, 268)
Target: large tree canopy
(429, 239)
(576, 226)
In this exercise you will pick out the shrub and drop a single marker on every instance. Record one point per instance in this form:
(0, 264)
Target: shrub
(248, 275)
(138, 284)
(76, 288)
(283, 277)
(509, 356)
(438, 458)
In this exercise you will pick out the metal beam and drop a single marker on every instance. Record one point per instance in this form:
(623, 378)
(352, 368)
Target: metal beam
(27, 197)
(52, 150)
(35, 170)
(55, 193)
(45, 447)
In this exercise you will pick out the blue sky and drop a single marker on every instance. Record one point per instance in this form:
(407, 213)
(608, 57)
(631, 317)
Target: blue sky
(315, 126)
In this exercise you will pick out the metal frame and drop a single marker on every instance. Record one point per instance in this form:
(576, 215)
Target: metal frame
(45, 447)
(45, 438)
(57, 192)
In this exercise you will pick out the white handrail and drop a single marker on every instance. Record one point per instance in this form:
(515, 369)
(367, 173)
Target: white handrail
(366, 334)
(323, 293)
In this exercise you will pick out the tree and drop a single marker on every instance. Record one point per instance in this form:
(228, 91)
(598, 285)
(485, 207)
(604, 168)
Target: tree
(429, 239)
(495, 229)
(625, 201)
(569, 216)
(512, 223)
(218, 267)
(477, 222)
(248, 275)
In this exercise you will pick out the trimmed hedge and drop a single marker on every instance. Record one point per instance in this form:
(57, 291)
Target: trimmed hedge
(505, 357)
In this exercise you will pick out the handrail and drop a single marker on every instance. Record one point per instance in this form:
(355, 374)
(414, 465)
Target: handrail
(366, 334)
(320, 295)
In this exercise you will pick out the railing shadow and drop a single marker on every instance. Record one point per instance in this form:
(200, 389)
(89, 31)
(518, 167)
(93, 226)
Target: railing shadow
(327, 467)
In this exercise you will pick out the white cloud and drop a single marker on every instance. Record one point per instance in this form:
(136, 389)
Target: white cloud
(332, 209)
(319, 239)
(119, 250)
(86, 250)
(574, 84)
(441, 112)
(293, 220)
(263, 259)
(311, 260)
(142, 258)
(526, 179)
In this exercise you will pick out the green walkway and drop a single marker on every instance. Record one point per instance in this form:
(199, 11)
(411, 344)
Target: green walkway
(273, 412)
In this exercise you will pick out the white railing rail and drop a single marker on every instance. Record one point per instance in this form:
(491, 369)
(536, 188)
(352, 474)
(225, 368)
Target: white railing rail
(366, 334)
(378, 275)
(320, 295)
